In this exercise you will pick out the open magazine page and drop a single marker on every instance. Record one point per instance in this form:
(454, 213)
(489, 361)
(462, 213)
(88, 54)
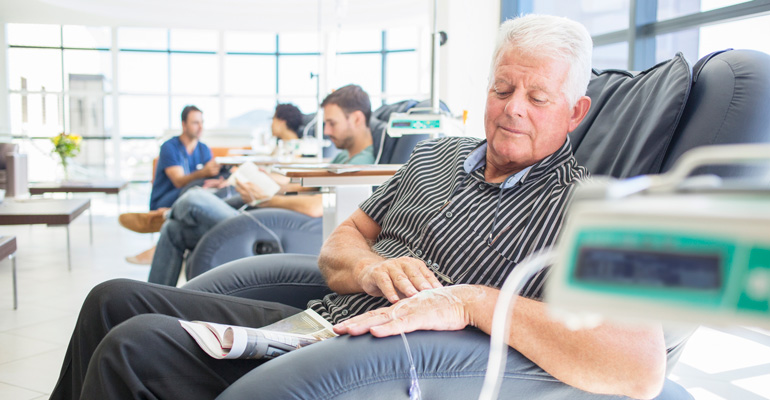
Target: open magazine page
(249, 172)
(229, 341)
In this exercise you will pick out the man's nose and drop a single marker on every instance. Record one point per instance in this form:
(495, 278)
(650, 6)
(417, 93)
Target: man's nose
(516, 105)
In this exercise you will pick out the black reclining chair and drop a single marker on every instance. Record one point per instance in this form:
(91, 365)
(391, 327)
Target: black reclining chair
(266, 231)
(638, 124)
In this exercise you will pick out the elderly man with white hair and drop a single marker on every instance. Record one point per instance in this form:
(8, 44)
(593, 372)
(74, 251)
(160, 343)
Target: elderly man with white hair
(452, 223)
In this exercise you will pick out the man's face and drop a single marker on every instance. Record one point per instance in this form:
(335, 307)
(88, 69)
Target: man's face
(338, 127)
(193, 126)
(278, 127)
(527, 117)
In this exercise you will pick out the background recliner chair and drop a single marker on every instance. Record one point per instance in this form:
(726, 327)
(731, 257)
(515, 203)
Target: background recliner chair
(13, 170)
(243, 236)
(638, 124)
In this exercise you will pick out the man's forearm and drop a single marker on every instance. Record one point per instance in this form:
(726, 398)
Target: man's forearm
(344, 254)
(311, 206)
(182, 181)
(609, 359)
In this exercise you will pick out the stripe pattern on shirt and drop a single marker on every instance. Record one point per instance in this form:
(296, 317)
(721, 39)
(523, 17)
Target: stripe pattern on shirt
(433, 210)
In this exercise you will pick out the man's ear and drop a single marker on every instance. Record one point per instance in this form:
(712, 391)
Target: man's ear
(579, 111)
(358, 118)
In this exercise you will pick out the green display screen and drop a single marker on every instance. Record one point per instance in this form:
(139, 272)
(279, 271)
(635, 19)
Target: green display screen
(649, 268)
(416, 124)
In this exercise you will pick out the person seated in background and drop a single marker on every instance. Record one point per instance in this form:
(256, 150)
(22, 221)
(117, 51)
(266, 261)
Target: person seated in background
(184, 160)
(285, 126)
(474, 208)
(346, 116)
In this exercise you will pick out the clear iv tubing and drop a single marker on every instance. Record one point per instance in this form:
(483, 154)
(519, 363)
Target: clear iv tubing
(512, 286)
(414, 387)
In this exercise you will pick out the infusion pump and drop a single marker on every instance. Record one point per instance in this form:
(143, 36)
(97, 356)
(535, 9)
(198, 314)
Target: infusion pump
(646, 249)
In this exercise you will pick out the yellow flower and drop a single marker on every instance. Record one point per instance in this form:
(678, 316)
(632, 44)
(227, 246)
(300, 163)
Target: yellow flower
(66, 146)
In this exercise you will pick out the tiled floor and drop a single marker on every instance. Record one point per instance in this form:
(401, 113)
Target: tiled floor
(718, 363)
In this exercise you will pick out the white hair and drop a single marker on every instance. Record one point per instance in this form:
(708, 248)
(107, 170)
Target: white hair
(555, 38)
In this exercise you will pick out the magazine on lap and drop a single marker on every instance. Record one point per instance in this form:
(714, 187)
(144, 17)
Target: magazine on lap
(230, 341)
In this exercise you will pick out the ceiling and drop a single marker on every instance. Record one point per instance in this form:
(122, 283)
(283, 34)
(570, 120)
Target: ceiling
(264, 15)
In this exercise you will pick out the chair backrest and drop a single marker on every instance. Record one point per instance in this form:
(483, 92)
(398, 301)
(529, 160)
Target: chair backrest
(392, 150)
(6, 148)
(727, 104)
(641, 123)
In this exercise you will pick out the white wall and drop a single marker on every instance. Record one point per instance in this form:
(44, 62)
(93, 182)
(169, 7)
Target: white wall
(471, 28)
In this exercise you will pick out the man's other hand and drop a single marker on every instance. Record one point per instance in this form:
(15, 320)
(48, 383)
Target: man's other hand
(397, 278)
(441, 309)
(211, 168)
(250, 192)
(216, 183)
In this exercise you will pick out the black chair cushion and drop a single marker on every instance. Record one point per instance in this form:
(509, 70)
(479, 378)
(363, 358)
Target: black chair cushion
(632, 118)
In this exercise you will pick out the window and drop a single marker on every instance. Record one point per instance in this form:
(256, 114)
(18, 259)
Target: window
(662, 27)
(599, 16)
(63, 78)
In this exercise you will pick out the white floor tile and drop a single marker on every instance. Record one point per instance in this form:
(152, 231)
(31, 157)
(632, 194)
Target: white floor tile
(11, 392)
(36, 373)
(16, 347)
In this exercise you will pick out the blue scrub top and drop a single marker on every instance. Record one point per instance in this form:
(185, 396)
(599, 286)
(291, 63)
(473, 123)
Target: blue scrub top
(173, 153)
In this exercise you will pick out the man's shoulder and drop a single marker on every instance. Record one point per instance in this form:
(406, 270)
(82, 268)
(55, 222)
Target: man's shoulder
(170, 143)
(450, 142)
(203, 145)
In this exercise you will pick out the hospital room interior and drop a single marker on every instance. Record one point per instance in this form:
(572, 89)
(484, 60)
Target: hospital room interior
(210, 148)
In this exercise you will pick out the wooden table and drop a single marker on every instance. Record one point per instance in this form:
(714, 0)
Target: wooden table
(267, 160)
(346, 189)
(8, 249)
(105, 186)
(52, 212)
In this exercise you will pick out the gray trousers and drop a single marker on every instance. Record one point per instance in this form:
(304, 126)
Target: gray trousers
(128, 344)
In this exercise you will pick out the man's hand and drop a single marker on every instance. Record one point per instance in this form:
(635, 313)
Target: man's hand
(397, 278)
(211, 168)
(250, 192)
(442, 309)
(216, 183)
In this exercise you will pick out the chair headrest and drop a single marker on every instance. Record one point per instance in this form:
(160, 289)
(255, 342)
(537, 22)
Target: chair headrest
(632, 118)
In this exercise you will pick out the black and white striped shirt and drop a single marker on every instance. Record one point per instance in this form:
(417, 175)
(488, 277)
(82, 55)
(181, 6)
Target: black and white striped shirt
(439, 208)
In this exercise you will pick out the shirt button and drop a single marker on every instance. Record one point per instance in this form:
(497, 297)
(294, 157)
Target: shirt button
(481, 186)
(448, 214)
(418, 253)
(435, 266)
(428, 263)
(344, 313)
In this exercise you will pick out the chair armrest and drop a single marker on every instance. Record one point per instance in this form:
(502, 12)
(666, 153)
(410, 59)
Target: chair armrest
(292, 279)
(236, 237)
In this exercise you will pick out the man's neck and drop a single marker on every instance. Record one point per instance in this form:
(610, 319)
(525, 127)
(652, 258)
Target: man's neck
(362, 143)
(495, 174)
(189, 143)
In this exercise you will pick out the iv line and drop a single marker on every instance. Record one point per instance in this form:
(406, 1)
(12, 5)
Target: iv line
(498, 349)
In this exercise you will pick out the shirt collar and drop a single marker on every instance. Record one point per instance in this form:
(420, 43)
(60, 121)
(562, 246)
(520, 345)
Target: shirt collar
(478, 158)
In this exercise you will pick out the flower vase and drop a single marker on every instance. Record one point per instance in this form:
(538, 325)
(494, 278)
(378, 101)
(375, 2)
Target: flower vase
(65, 170)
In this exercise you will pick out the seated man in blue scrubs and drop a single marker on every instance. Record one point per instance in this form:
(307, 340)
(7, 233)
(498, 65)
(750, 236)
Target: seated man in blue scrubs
(346, 116)
(183, 160)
